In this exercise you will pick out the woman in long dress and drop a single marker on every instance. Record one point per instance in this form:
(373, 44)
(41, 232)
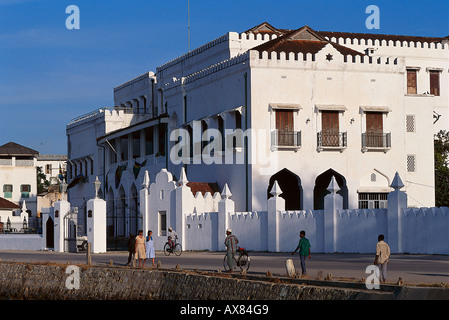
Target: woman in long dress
(149, 248)
(140, 247)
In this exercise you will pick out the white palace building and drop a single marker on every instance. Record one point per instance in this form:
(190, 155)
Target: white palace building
(268, 104)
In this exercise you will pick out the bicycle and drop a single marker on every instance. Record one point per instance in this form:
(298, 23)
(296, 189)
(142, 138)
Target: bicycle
(176, 248)
(243, 260)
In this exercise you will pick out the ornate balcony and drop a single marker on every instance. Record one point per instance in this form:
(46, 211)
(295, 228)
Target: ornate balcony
(329, 140)
(285, 139)
(376, 141)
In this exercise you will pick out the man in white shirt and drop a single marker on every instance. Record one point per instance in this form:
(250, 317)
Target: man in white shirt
(382, 257)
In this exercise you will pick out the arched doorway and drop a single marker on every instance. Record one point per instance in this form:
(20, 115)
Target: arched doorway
(290, 185)
(134, 216)
(50, 234)
(121, 213)
(320, 189)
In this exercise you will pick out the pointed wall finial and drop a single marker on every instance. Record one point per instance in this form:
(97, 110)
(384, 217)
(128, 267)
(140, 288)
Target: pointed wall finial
(276, 190)
(24, 206)
(97, 185)
(146, 180)
(397, 182)
(226, 193)
(333, 186)
(183, 178)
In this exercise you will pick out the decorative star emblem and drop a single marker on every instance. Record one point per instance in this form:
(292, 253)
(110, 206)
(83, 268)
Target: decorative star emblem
(329, 57)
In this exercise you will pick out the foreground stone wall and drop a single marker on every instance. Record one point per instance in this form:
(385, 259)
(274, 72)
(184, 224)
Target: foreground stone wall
(48, 281)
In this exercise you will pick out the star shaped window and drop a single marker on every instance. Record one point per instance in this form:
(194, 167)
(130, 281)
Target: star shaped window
(329, 57)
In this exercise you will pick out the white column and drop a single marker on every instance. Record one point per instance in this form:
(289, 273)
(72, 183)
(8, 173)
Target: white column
(332, 203)
(182, 195)
(144, 203)
(225, 206)
(274, 205)
(397, 200)
(96, 225)
(61, 208)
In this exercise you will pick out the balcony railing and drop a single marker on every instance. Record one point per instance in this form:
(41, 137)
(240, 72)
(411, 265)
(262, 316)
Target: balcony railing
(376, 141)
(331, 140)
(286, 139)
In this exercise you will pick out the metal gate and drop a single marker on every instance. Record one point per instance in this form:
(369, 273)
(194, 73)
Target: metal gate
(121, 223)
(75, 239)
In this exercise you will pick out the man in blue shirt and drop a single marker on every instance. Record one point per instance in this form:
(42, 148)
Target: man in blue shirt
(304, 250)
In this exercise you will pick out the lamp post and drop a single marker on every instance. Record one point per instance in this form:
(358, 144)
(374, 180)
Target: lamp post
(25, 224)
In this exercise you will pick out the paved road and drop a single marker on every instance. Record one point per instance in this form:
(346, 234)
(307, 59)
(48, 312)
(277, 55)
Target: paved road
(414, 269)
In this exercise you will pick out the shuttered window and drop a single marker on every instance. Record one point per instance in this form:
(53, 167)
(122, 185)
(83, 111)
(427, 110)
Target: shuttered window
(330, 128)
(374, 129)
(374, 122)
(435, 83)
(284, 127)
(330, 121)
(7, 191)
(284, 120)
(411, 81)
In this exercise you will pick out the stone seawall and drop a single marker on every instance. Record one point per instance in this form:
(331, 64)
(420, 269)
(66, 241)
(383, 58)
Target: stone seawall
(48, 281)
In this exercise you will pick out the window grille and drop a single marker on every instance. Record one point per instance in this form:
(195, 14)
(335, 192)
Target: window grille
(373, 200)
(410, 123)
(411, 163)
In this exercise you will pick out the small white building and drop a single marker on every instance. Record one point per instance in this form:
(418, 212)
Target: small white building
(11, 216)
(18, 181)
(53, 165)
(312, 105)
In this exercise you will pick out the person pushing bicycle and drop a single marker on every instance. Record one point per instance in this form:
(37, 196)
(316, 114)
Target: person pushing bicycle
(231, 243)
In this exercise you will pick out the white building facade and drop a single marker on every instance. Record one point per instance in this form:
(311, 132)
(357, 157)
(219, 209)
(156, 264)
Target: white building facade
(53, 166)
(18, 177)
(312, 105)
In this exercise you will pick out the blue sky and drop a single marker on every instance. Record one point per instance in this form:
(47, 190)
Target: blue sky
(49, 74)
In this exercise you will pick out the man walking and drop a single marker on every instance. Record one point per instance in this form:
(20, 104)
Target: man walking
(131, 248)
(304, 250)
(382, 257)
(231, 242)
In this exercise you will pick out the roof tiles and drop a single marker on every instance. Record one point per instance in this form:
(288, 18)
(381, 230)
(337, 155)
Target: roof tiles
(15, 149)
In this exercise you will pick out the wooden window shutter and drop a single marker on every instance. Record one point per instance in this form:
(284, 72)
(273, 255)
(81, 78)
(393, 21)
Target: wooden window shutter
(284, 127)
(411, 82)
(330, 121)
(374, 129)
(374, 122)
(330, 128)
(435, 83)
(284, 120)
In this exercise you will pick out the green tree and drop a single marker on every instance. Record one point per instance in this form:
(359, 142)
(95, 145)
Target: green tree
(441, 149)
(42, 182)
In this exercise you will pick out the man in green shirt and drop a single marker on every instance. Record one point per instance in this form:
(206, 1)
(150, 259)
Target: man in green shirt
(304, 250)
